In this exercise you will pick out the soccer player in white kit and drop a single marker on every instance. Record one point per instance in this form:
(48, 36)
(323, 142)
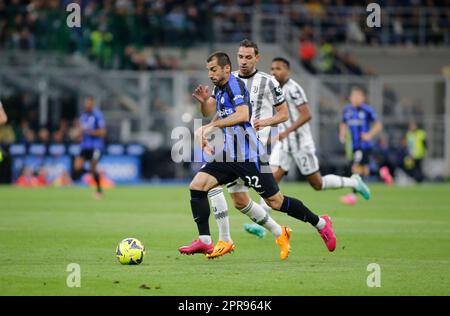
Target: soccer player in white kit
(295, 143)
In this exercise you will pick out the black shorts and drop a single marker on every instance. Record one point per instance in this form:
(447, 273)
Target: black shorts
(361, 156)
(225, 172)
(91, 154)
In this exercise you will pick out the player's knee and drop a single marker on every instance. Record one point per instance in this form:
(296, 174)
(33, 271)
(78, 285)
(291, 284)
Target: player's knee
(240, 202)
(357, 169)
(317, 185)
(275, 202)
(196, 185)
(77, 165)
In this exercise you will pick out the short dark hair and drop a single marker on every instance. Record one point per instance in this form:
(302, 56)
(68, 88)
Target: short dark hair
(283, 60)
(249, 43)
(222, 59)
(358, 88)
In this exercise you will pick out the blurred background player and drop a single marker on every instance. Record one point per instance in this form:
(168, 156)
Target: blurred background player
(417, 149)
(93, 130)
(359, 126)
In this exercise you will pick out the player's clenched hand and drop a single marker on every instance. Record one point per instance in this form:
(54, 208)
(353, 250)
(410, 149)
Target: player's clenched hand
(201, 93)
(201, 138)
(282, 136)
(207, 148)
(365, 137)
(198, 136)
(208, 130)
(278, 137)
(259, 124)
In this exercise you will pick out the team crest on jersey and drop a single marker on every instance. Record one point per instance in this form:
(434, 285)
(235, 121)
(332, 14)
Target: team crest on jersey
(295, 95)
(255, 89)
(362, 115)
(348, 115)
(222, 100)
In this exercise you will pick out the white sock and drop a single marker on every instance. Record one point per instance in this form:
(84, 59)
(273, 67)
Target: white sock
(261, 217)
(331, 181)
(206, 239)
(264, 205)
(321, 224)
(220, 209)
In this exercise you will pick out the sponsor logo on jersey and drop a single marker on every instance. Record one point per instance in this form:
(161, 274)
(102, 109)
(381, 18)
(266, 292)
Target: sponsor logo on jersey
(225, 112)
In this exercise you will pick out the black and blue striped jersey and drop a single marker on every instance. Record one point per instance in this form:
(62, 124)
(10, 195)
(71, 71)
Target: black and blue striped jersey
(240, 141)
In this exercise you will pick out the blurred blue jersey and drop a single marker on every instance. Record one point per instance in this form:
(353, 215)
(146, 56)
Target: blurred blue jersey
(359, 120)
(91, 122)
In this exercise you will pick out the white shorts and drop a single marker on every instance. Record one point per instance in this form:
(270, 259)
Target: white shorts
(237, 186)
(305, 159)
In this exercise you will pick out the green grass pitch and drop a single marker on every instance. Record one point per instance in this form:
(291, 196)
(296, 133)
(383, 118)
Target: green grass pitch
(404, 230)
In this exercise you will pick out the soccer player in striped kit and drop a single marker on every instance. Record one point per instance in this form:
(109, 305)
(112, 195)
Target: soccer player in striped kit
(359, 125)
(233, 109)
(93, 133)
(268, 110)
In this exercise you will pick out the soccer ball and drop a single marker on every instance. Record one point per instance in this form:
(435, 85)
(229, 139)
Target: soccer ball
(130, 251)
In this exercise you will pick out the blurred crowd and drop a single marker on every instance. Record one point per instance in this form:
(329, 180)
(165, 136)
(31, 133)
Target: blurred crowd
(115, 32)
(403, 160)
(402, 21)
(23, 124)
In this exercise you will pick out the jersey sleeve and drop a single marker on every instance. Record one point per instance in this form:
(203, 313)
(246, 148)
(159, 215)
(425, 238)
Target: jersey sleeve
(213, 93)
(372, 115)
(100, 120)
(344, 116)
(237, 94)
(275, 93)
(298, 95)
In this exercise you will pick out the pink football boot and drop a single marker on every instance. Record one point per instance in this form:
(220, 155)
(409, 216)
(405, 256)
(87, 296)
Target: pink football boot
(197, 247)
(327, 234)
(349, 199)
(386, 175)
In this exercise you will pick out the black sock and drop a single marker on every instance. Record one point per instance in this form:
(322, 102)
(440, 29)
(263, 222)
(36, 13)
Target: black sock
(298, 210)
(200, 211)
(76, 174)
(97, 181)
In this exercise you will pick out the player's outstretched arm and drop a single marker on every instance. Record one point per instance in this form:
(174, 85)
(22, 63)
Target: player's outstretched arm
(282, 115)
(342, 132)
(305, 116)
(101, 132)
(241, 115)
(374, 130)
(207, 102)
(3, 116)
